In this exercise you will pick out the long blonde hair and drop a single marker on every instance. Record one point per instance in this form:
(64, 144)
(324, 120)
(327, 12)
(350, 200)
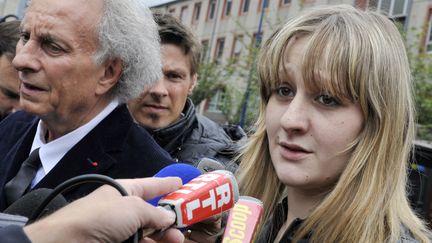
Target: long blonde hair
(365, 60)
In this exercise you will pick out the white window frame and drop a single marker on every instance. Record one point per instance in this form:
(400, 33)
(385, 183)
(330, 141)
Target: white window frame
(243, 6)
(237, 46)
(220, 45)
(230, 3)
(216, 101)
(391, 13)
(212, 9)
(183, 11)
(197, 11)
(283, 3)
(428, 44)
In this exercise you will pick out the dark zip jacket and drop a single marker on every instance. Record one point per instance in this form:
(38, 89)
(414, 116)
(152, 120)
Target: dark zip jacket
(194, 137)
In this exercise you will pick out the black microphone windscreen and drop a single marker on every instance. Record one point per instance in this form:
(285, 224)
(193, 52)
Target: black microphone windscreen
(26, 205)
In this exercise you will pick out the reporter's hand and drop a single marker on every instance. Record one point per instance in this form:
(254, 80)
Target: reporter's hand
(106, 216)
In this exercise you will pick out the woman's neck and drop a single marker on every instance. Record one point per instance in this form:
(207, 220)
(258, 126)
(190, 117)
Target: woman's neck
(301, 203)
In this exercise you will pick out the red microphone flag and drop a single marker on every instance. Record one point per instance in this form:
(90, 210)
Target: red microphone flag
(205, 196)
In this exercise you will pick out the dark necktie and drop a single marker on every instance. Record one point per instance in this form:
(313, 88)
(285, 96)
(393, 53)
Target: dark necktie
(17, 186)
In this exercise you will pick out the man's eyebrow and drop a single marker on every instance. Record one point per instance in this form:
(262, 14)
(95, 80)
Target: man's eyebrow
(175, 70)
(47, 37)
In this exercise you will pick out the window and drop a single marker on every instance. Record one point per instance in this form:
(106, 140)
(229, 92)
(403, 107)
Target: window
(244, 6)
(220, 43)
(227, 7)
(284, 3)
(183, 13)
(256, 38)
(263, 3)
(429, 36)
(204, 50)
(393, 8)
(211, 10)
(216, 102)
(237, 47)
(196, 13)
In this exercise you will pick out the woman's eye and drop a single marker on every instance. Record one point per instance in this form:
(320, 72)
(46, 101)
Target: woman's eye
(284, 91)
(328, 100)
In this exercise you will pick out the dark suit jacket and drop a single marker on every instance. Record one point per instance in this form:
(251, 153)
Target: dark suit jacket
(120, 147)
(13, 234)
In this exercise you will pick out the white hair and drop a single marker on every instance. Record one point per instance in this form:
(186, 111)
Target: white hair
(128, 31)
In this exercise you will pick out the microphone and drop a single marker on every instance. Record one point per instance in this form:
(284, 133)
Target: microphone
(243, 220)
(185, 171)
(205, 196)
(26, 205)
(206, 165)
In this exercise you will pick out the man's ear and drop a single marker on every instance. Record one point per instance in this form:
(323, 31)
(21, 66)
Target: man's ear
(194, 82)
(112, 72)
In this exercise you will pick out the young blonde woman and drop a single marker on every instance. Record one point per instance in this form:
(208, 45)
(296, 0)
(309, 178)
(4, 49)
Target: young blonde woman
(328, 158)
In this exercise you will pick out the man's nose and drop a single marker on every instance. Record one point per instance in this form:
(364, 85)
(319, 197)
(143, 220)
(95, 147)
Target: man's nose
(26, 58)
(159, 89)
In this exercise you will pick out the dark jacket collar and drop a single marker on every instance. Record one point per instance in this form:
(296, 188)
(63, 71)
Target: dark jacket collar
(74, 162)
(172, 137)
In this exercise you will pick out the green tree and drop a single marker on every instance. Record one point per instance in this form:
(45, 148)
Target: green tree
(421, 68)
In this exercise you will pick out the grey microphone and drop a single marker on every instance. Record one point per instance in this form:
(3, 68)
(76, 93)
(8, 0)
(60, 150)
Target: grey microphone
(207, 165)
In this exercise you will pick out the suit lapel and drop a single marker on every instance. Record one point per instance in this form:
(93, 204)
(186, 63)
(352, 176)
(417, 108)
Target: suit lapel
(86, 157)
(17, 153)
(94, 154)
(20, 151)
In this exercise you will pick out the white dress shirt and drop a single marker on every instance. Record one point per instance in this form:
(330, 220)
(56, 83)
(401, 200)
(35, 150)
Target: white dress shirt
(51, 153)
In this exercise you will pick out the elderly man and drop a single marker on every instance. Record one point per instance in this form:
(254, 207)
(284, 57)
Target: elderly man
(167, 113)
(9, 84)
(78, 61)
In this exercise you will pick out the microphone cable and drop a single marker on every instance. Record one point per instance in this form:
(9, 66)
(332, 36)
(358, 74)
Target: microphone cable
(76, 181)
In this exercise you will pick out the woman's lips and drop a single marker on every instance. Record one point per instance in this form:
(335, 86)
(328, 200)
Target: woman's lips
(293, 152)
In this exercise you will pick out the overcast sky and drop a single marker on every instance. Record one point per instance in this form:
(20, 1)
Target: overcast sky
(151, 3)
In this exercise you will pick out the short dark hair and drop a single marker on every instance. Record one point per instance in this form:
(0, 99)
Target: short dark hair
(9, 36)
(172, 31)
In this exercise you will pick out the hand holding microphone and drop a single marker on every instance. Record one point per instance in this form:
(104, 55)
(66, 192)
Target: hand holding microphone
(207, 195)
(204, 197)
(106, 216)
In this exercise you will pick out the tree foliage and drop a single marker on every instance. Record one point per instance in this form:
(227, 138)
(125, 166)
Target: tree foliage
(421, 68)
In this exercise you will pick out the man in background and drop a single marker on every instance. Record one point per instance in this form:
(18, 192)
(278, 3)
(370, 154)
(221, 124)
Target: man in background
(9, 83)
(78, 63)
(169, 115)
